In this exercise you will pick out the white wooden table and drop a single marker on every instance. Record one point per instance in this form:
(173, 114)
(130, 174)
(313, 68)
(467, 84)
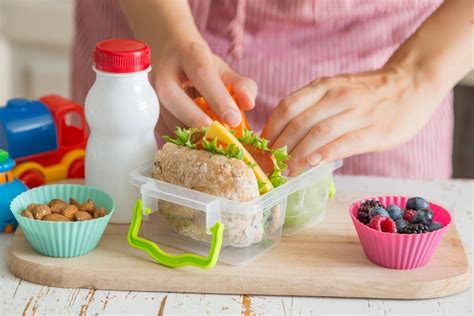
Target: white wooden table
(20, 297)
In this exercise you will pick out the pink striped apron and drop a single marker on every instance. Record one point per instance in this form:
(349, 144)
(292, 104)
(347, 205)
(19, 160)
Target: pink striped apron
(283, 45)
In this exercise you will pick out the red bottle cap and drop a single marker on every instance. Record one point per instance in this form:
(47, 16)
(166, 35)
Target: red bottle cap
(121, 55)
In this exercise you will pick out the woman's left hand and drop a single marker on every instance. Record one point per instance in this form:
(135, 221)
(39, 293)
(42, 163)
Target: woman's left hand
(337, 117)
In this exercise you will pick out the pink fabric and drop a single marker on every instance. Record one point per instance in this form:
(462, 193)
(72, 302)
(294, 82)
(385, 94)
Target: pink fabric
(285, 44)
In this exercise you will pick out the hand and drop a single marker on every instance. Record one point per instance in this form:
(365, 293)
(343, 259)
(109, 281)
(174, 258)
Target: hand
(334, 118)
(192, 64)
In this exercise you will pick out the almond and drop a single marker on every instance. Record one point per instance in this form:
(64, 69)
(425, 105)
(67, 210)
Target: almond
(40, 211)
(70, 211)
(57, 206)
(31, 207)
(88, 207)
(99, 212)
(26, 213)
(74, 202)
(82, 216)
(56, 218)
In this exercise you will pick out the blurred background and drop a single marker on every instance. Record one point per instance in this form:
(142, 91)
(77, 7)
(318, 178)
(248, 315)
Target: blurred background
(35, 41)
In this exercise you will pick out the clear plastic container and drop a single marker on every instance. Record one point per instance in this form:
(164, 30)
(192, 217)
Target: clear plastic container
(307, 207)
(183, 218)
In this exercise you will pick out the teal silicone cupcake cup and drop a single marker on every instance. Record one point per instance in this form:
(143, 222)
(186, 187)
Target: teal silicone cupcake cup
(62, 239)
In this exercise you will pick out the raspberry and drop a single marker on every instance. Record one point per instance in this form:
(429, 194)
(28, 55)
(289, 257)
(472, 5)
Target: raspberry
(408, 215)
(383, 224)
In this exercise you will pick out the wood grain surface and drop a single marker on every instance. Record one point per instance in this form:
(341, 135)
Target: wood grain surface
(323, 261)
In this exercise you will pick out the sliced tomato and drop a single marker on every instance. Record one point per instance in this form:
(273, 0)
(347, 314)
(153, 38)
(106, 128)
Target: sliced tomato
(264, 159)
(197, 136)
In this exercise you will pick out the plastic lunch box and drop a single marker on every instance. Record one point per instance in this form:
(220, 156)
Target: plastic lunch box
(210, 228)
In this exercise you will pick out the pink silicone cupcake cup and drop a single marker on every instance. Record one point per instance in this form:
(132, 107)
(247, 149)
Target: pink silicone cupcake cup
(399, 251)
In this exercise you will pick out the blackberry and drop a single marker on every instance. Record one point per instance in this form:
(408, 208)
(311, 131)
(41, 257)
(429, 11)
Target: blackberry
(363, 217)
(367, 205)
(417, 228)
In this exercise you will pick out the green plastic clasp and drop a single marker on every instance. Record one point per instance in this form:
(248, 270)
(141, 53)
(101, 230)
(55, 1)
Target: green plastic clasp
(174, 261)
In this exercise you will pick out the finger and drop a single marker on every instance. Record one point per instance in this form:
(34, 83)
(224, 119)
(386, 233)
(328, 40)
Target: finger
(201, 70)
(290, 107)
(162, 130)
(245, 89)
(350, 144)
(302, 124)
(179, 104)
(322, 134)
(167, 124)
(169, 120)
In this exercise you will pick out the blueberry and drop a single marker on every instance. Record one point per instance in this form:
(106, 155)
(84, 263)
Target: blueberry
(401, 223)
(435, 226)
(416, 203)
(423, 216)
(374, 211)
(395, 212)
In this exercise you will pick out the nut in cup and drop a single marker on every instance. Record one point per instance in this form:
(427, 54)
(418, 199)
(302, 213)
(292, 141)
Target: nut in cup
(55, 235)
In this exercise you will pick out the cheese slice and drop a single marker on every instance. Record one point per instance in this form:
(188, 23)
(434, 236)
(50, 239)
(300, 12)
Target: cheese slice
(217, 130)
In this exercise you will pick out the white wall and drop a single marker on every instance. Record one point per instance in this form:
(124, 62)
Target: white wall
(5, 71)
(35, 40)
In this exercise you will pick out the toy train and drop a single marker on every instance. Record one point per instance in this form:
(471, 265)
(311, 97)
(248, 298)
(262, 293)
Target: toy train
(46, 138)
(10, 187)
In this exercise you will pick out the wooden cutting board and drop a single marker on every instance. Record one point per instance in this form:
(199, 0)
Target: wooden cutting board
(326, 260)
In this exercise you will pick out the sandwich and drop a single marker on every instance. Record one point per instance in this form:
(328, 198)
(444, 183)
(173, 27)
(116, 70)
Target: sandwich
(238, 166)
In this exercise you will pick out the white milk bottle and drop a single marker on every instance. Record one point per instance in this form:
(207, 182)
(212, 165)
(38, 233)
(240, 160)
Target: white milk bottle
(121, 110)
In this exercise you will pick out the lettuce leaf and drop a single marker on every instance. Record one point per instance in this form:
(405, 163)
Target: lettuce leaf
(280, 154)
(261, 186)
(248, 137)
(231, 151)
(183, 137)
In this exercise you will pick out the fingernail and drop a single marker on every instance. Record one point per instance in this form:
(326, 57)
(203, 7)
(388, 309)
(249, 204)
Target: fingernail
(207, 121)
(314, 159)
(232, 117)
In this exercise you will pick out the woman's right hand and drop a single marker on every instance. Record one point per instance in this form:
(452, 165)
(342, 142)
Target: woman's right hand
(182, 59)
(191, 63)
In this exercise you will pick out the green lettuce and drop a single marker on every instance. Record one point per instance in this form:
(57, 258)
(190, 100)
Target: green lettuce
(280, 154)
(183, 137)
(231, 151)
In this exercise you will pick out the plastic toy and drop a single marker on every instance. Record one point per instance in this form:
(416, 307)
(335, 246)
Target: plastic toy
(9, 189)
(46, 137)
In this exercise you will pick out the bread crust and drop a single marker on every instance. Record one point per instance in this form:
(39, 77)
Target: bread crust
(205, 172)
(214, 174)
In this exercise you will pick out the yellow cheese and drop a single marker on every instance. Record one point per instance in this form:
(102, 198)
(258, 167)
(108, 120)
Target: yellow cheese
(217, 130)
